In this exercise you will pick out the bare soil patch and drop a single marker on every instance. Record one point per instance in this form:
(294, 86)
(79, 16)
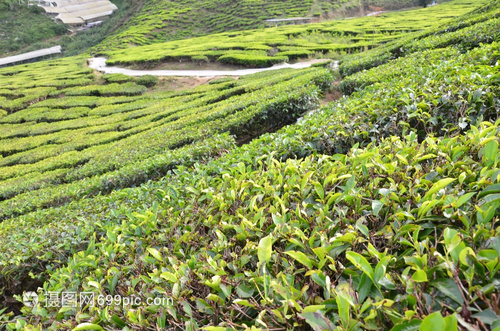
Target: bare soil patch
(176, 83)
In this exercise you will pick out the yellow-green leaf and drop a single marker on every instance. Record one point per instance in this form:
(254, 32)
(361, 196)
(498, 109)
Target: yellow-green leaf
(155, 254)
(87, 326)
(265, 249)
(439, 185)
(301, 257)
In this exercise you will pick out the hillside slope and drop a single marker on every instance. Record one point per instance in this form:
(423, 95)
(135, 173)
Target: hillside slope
(264, 47)
(164, 20)
(22, 28)
(26, 29)
(148, 22)
(378, 211)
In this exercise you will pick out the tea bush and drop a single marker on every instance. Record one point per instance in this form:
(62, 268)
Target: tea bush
(117, 78)
(147, 80)
(128, 132)
(463, 32)
(252, 60)
(376, 211)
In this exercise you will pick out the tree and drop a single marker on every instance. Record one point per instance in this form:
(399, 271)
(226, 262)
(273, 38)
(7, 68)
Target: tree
(423, 3)
(9, 3)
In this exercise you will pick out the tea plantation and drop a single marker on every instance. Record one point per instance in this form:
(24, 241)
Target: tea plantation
(24, 28)
(61, 142)
(379, 210)
(165, 20)
(266, 47)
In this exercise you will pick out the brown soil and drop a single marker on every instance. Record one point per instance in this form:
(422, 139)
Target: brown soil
(333, 94)
(182, 83)
(7, 299)
(330, 96)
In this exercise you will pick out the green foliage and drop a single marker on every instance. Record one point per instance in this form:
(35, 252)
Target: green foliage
(87, 142)
(147, 80)
(426, 239)
(114, 89)
(221, 80)
(265, 47)
(414, 64)
(464, 33)
(117, 78)
(22, 29)
(252, 60)
(377, 211)
(166, 20)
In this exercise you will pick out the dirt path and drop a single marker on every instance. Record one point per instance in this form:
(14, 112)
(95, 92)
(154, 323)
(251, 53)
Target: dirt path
(99, 64)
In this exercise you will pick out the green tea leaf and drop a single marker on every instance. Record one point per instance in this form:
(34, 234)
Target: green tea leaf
(438, 186)
(319, 190)
(301, 257)
(118, 321)
(412, 325)
(361, 263)
(169, 277)
(450, 323)
(490, 152)
(464, 198)
(155, 254)
(489, 199)
(317, 320)
(433, 322)
(376, 207)
(449, 288)
(244, 291)
(495, 188)
(265, 249)
(244, 303)
(87, 326)
(419, 276)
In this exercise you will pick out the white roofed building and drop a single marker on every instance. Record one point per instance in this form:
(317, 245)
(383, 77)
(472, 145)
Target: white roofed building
(31, 56)
(79, 12)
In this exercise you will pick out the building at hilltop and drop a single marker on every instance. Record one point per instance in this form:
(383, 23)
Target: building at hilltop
(77, 13)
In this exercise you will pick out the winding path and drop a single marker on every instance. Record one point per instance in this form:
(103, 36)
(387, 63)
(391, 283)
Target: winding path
(99, 64)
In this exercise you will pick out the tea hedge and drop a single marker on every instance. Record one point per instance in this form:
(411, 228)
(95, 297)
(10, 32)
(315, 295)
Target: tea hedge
(360, 240)
(115, 136)
(413, 64)
(252, 60)
(147, 80)
(377, 211)
(464, 32)
(392, 214)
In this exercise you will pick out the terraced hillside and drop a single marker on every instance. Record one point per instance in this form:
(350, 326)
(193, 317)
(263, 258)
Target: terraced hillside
(60, 142)
(480, 26)
(164, 20)
(378, 211)
(266, 47)
(142, 23)
(145, 22)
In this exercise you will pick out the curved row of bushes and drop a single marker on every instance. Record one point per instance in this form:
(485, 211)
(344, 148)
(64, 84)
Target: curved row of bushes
(267, 46)
(464, 33)
(392, 232)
